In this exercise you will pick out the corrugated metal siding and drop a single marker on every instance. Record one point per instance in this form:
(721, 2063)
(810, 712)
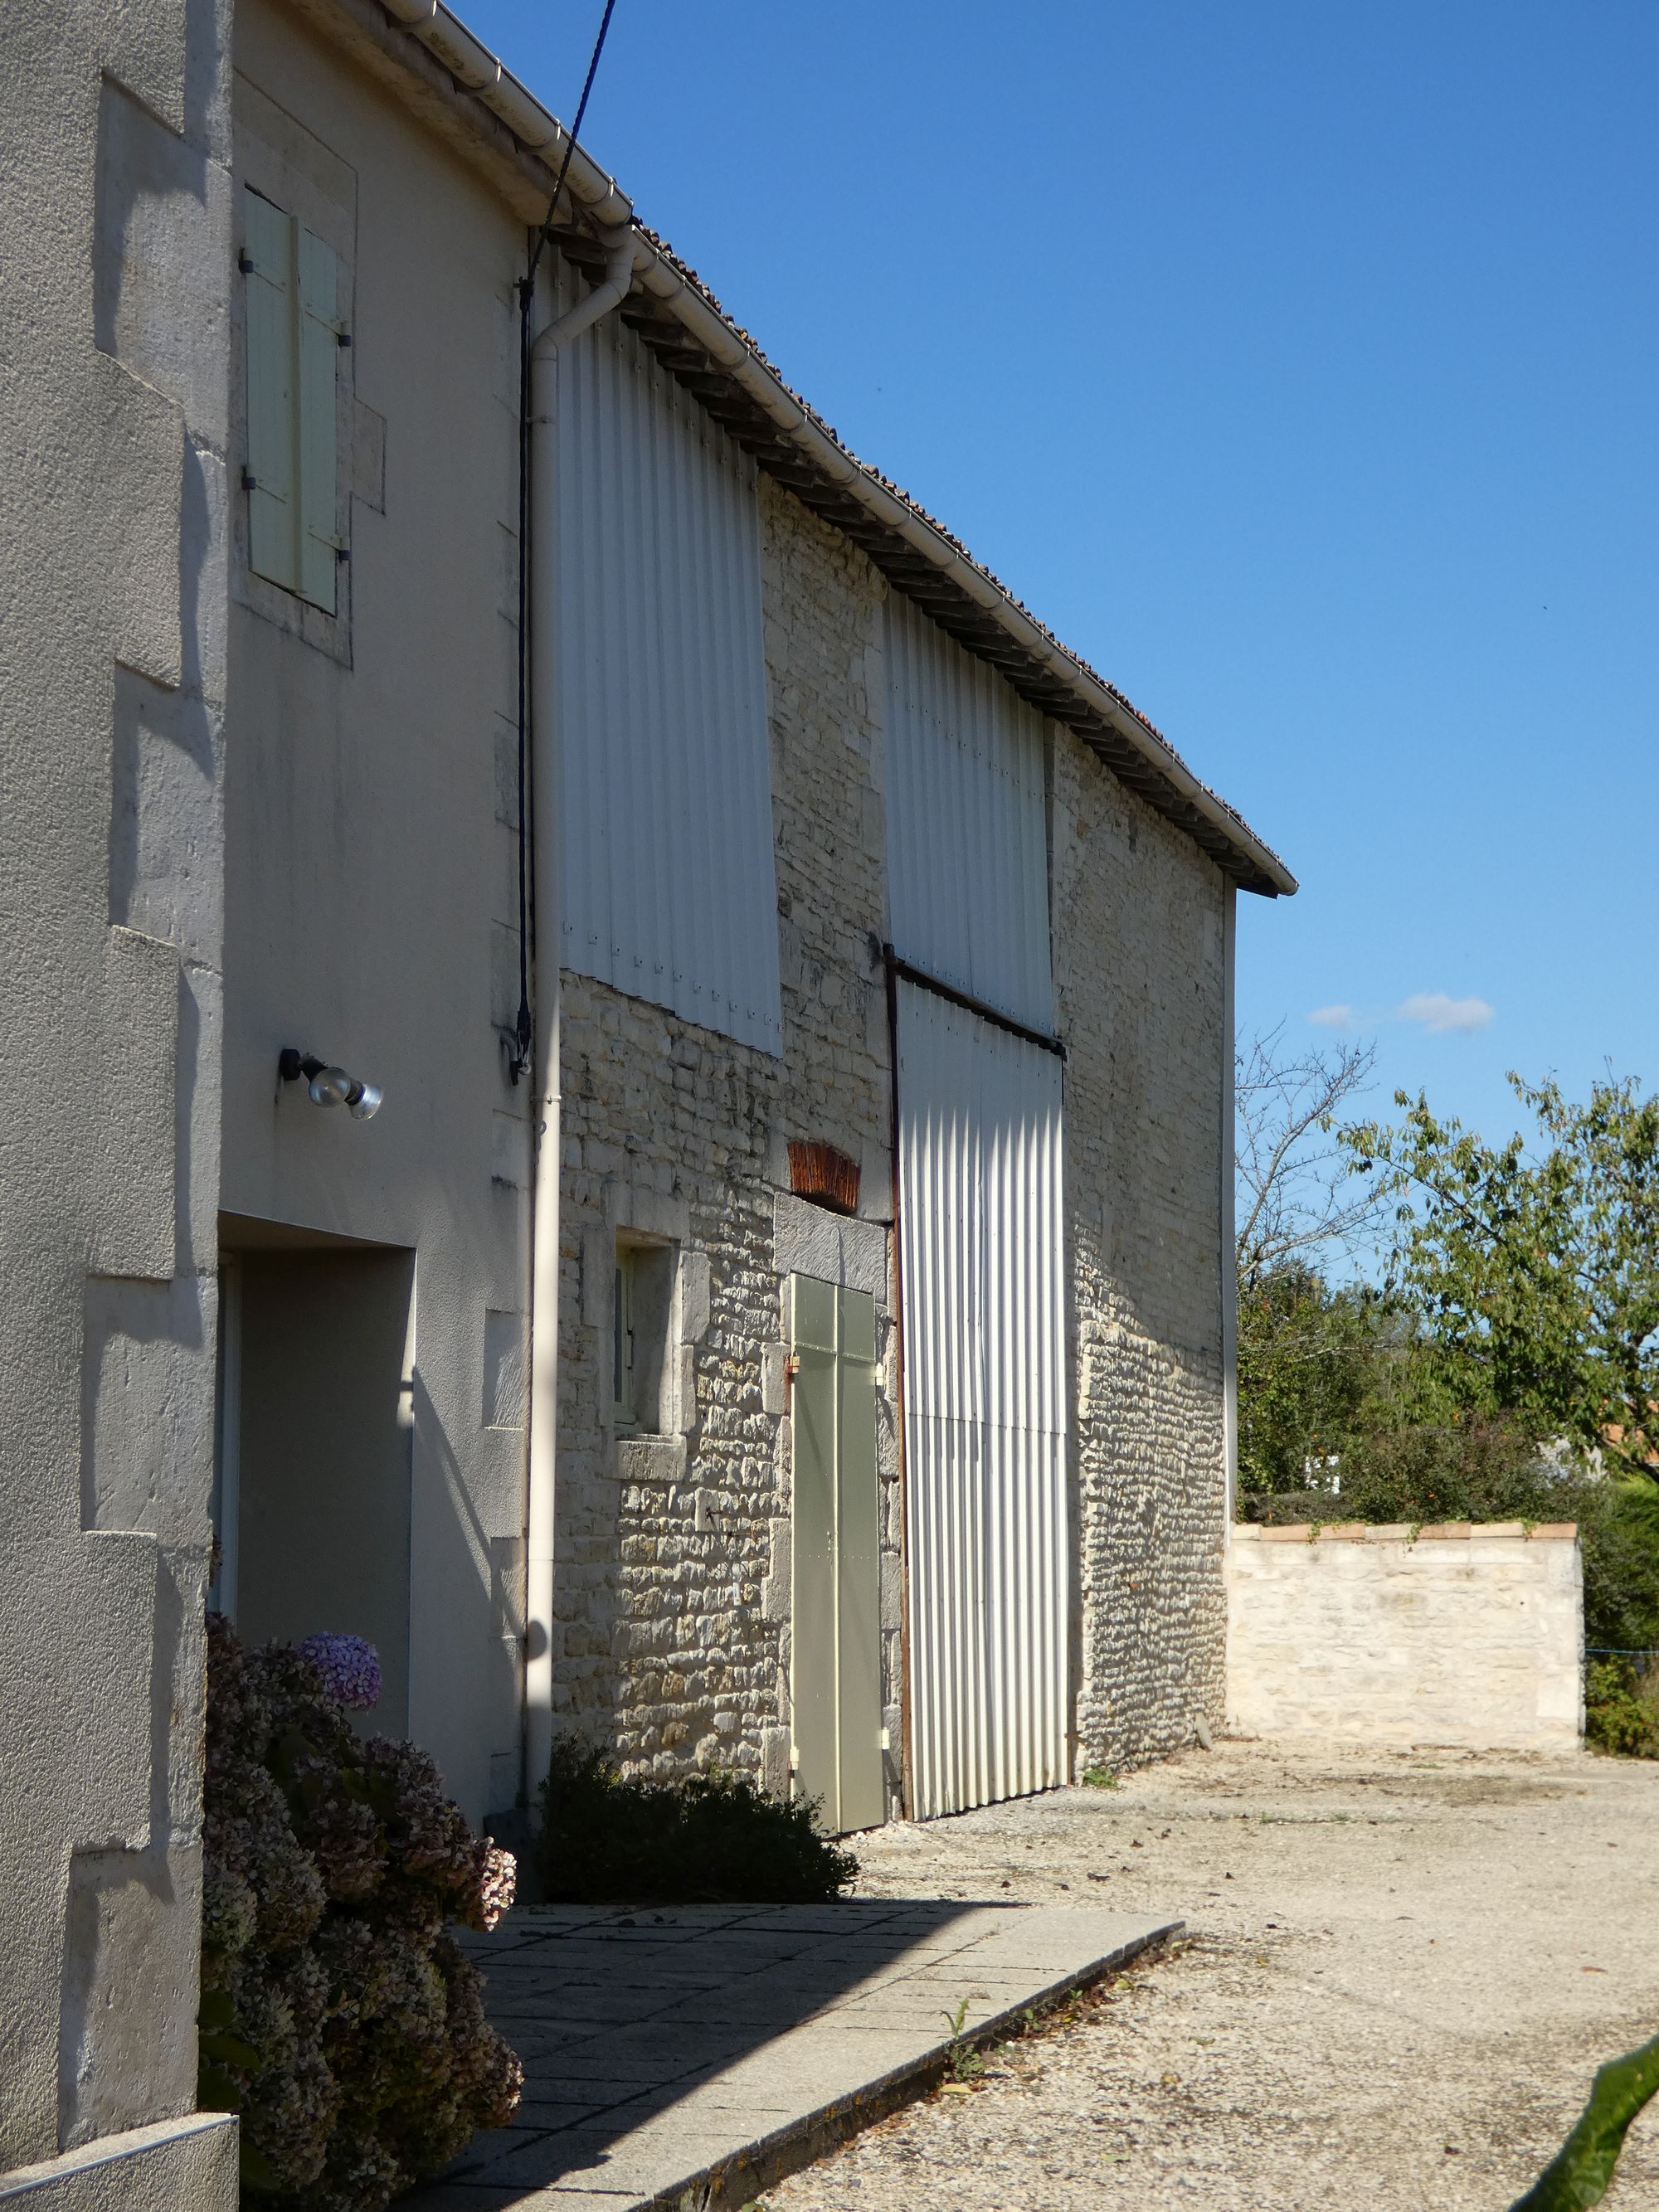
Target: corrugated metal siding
(984, 1316)
(967, 822)
(669, 892)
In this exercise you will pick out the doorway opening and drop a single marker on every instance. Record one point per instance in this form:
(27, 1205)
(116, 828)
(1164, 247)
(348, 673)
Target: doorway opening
(312, 1488)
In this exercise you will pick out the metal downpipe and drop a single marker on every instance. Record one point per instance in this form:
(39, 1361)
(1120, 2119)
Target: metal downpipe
(544, 1175)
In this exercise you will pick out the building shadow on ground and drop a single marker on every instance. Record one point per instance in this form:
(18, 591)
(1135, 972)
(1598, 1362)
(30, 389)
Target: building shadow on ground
(622, 2015)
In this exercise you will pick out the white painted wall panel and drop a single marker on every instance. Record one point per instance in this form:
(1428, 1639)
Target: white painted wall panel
(669, 887)
(989, 1545)
(967, 822)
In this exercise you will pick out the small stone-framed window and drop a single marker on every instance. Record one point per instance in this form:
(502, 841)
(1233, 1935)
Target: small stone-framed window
(643, 1308)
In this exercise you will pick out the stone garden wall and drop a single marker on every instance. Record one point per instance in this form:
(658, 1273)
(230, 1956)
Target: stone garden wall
(1455, 1634)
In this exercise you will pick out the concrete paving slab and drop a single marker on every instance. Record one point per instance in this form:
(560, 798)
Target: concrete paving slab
(708, 2051)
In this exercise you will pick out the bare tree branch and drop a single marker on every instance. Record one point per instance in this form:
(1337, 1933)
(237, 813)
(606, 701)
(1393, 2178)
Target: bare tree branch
(1295, 1191)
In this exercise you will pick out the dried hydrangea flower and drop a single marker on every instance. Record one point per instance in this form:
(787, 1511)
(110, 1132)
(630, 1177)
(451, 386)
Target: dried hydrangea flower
(349, 1667)
(497, 1886)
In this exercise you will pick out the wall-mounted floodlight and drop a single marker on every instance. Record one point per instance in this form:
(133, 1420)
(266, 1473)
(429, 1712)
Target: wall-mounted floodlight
(328, 1085)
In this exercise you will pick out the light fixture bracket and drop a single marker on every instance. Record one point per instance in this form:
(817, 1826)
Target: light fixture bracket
(328, 1084)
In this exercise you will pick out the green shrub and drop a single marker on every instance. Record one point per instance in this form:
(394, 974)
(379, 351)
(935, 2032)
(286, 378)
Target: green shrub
(1289, 1508)
(703, 1837)
(1621, 1567)
(1621, 1709)
(1485, 1469)
(339, 2017)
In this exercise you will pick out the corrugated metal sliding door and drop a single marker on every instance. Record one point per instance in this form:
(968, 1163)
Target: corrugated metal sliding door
(836, 1634)
(967, 822)
(988, 1542)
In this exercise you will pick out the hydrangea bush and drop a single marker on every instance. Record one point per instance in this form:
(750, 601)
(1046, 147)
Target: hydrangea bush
(339, 2016)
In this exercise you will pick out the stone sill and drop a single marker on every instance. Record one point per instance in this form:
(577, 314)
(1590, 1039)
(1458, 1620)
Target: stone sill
(648, 1459)
(1401, 1531)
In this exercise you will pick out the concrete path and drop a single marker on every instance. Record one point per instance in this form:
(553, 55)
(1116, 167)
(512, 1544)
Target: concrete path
(688, 2058)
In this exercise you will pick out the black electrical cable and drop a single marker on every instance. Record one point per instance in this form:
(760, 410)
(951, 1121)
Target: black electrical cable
(524, 1027)
(545, 232)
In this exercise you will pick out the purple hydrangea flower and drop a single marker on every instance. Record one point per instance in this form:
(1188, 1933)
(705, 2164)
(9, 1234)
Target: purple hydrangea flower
(349, 1667)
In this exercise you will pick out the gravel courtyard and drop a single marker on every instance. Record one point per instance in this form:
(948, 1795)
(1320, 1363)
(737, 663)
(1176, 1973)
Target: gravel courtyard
(1400, 1972)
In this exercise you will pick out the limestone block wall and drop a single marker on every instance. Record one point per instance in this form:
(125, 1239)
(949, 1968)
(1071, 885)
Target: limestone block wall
(1140, 970)
(1458, 1634)
(672, 1550)
(115, 262)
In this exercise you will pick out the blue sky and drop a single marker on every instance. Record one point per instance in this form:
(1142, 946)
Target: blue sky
(1297, 364)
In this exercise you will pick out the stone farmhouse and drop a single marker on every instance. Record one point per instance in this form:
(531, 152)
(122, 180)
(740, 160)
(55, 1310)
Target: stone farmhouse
(623, 1065)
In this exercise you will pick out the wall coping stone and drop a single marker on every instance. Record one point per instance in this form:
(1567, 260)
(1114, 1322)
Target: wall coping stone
(1402, 1532)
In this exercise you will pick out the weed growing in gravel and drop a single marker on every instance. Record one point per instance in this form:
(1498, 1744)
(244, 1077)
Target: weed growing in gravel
(1099, 1777)
(965, 2063)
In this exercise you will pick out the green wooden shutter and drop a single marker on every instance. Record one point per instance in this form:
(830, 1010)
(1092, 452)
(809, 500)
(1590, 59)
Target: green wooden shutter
(836, 1623)
(273, 460)
(318, 274)
(293, 362)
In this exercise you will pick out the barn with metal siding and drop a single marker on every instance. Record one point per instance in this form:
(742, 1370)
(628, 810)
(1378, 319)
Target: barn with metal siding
(808, 1288)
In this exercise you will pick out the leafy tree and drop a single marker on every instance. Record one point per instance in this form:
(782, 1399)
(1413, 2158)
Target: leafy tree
(1536, 1276)
(1306, 1361)
(1518, 1314)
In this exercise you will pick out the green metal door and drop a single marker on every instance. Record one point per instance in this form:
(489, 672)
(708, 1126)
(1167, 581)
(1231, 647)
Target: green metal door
(836, 1643)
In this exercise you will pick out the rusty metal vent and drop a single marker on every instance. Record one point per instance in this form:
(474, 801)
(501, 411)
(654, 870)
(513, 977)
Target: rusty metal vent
(823, 1175)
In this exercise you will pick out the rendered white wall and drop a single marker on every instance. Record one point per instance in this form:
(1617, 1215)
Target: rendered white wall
(372, 883)
(114, 253)
(1465, 1635)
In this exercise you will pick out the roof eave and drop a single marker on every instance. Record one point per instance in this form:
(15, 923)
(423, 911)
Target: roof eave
(455, 79)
